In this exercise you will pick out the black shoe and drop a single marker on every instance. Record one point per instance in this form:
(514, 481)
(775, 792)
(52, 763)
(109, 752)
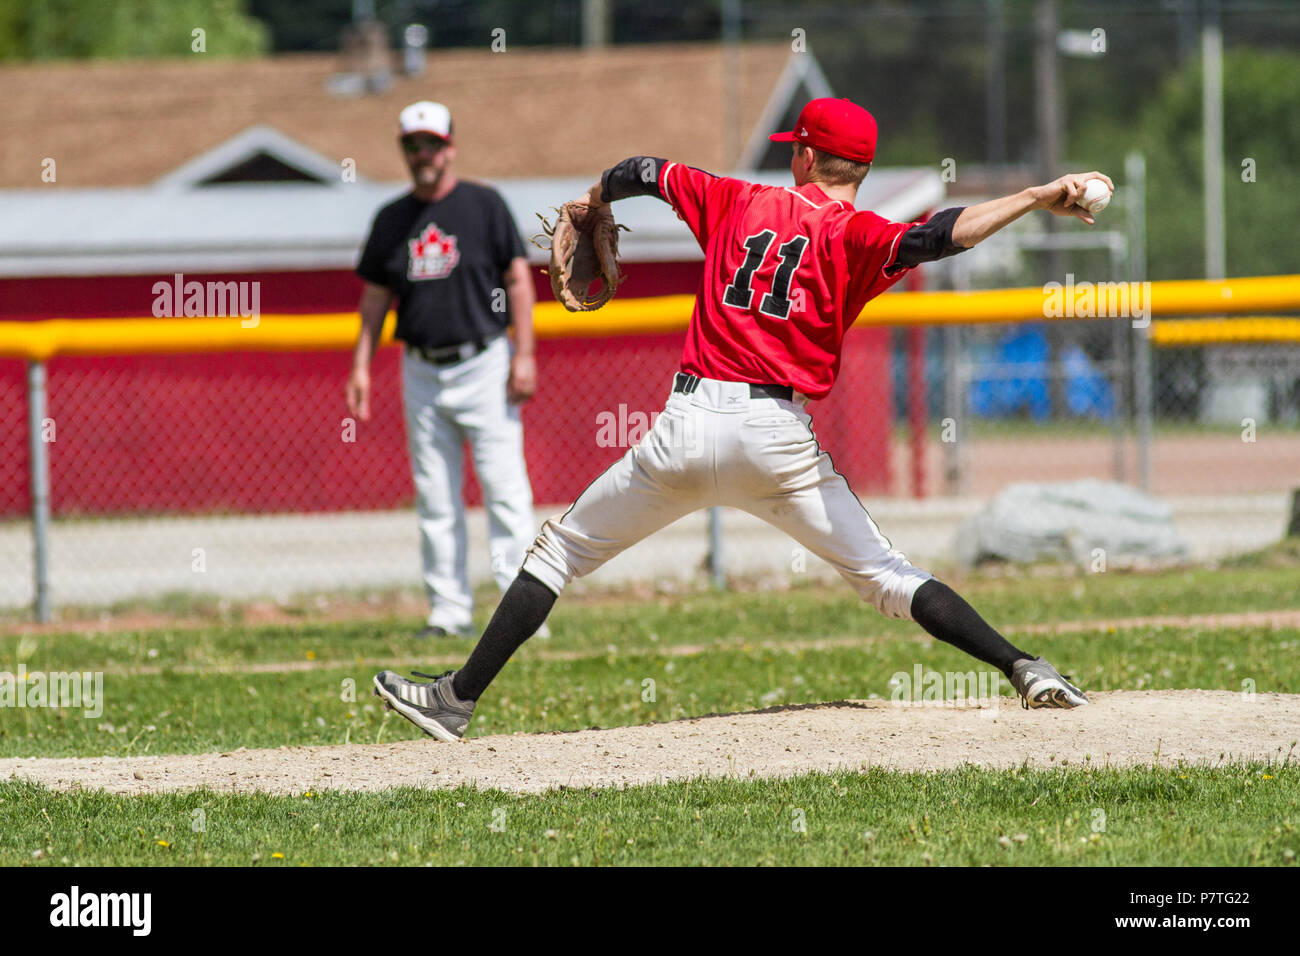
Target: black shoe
(433, 707)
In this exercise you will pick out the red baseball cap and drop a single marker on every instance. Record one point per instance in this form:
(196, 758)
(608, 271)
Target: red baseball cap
(839, 127)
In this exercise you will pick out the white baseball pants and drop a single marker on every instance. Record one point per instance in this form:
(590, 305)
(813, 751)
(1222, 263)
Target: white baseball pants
(719, 446)
(445, 407)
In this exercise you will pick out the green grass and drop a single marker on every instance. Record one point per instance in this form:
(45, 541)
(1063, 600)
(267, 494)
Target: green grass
(198, 713)
(1011, 599)
(1242, 815)
(1283, 554)
(707, 653)
(746, 651)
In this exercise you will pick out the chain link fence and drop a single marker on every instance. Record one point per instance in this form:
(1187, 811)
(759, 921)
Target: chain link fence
(242, 475)
(1224, 416)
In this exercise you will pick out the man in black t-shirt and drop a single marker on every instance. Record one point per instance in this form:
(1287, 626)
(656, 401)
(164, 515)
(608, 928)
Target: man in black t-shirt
(450, 254)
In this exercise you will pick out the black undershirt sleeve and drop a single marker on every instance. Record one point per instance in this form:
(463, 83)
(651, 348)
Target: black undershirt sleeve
(929, 241)
(635, 176)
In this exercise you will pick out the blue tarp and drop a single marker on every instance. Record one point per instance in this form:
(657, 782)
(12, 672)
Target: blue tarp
(1013, 379)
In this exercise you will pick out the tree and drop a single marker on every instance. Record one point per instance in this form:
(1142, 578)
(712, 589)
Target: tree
(1261, 116)
(85, 29)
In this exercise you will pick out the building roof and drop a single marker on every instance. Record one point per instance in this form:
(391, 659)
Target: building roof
(209, 165)
(525, 112)
(286, 226)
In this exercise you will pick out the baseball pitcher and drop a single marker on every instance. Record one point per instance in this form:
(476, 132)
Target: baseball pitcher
(786, 272)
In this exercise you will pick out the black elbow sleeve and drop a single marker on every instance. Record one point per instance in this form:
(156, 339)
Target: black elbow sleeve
(635, 176)
(929, 241)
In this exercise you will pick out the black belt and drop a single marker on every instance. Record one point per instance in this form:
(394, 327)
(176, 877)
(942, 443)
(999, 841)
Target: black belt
(684, 383)
(451, 354)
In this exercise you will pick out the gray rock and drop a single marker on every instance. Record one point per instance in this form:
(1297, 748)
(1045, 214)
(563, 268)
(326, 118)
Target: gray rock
(1070, 521)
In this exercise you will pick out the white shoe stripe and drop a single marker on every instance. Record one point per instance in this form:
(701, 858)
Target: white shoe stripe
(431, 727)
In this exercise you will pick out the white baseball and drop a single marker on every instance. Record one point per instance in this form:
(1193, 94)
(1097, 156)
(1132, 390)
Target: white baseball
(1096, 196)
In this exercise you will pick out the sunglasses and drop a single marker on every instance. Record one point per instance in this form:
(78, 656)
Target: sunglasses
(413, 146)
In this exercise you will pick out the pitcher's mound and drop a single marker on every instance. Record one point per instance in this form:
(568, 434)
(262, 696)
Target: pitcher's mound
(1118, 729)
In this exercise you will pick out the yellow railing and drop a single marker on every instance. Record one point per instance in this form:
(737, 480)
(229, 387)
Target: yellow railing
(1166, 298)
(41, 340)
(1246, 329)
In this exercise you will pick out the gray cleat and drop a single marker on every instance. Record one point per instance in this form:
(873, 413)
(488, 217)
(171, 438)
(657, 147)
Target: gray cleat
(437, 630)
(1039, 685)
(433, 707)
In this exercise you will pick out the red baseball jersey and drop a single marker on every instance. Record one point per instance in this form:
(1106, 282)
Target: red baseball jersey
(786, 271)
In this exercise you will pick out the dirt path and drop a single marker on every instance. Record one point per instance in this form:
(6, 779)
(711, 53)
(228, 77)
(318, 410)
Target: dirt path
(1119, 729)
(1286, 618)
(1195, 464)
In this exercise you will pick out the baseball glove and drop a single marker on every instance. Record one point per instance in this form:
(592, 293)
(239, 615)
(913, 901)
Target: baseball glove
(584, 251)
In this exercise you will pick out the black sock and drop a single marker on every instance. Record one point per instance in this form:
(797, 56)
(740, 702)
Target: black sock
(522, 611)
(945, 614)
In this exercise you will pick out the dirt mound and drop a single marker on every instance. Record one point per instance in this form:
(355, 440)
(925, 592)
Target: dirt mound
(1119, 729)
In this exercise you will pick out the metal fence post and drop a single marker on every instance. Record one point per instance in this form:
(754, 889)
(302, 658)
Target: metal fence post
(1143, 403)
(40, 484)
(956, 377)
(1119, 364)
(1135, 174)
(918, 393)
(955, 392)
(716, 568)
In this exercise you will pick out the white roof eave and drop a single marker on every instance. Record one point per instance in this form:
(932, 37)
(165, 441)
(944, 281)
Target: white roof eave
(244, 146)
(291, 226)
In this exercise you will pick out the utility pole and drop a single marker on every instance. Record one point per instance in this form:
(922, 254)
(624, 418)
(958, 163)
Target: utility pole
(595, 23)
(1212, 122)
(995, 85)
(1048, 82)
(1050, 135)
(731, 19)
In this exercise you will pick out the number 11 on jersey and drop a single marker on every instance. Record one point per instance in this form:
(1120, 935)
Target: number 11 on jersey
(775, 303)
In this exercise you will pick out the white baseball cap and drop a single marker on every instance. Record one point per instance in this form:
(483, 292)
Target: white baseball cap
(426, 117)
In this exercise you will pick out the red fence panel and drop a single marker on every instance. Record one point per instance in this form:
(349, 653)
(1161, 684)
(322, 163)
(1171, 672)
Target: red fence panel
(268, 432)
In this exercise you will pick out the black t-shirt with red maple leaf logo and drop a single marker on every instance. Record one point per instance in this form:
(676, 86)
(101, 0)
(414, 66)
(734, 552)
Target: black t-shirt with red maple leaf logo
(445, 262)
